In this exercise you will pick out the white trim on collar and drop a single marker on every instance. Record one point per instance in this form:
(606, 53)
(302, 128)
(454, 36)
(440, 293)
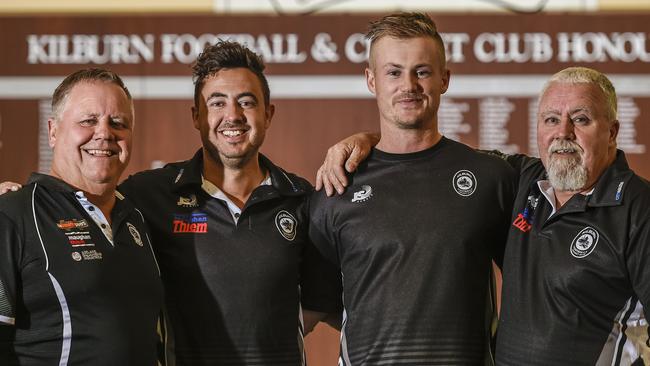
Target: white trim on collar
(217, 193)
(549, 192)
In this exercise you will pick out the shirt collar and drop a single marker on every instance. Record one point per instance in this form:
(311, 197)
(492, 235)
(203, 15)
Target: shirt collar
(217, 193)
(286, 184)
(608, 190)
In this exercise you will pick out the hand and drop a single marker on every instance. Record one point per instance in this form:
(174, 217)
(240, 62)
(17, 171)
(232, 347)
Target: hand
(9, 186)
(348, 153)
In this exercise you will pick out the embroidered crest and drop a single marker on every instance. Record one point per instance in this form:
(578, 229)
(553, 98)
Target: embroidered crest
(363, 194)
(135, 234)
(584, 243)
(286, 224)
(464, 183)
(187, 201)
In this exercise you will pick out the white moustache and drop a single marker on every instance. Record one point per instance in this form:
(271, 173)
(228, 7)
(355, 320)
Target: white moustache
(564, 146)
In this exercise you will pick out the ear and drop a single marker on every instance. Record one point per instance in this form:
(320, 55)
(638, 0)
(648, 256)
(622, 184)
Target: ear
(195, 117)
(370, 80)
(269, 113)
(51, 132)
(446, 74)
(613, 132)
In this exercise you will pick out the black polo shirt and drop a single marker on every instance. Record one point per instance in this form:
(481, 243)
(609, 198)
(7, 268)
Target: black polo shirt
(234, 290)
(414, 235)
(68, 296)
(576, 283)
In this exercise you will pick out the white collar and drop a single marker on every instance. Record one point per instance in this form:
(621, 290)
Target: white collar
(217, 193)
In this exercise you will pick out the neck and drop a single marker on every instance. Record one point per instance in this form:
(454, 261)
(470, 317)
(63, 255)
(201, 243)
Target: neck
(104, 202)
(562, 197)
(235, 182)
(101, 195)
(402, 141)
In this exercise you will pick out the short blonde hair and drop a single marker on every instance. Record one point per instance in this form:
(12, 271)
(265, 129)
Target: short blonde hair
(406, 25)
(585, 75)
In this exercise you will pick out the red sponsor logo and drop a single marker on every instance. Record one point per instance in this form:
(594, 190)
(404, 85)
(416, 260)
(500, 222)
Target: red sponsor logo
(72, 224)
(190, 223)
(181, 226)
(522, 224)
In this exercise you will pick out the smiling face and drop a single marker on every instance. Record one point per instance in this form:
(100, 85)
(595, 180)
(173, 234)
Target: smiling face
(576, 135)
(407, 76)
(91, 135)
(232, 116)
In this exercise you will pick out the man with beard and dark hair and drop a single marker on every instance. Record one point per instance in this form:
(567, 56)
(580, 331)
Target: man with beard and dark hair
(243, 283)
(577, 265)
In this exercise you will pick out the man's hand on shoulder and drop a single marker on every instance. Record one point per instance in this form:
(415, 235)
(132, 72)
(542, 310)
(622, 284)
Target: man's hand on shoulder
(344, 157)
(9, 186)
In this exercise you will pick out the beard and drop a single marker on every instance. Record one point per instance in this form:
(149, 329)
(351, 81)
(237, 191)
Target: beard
(566, 173)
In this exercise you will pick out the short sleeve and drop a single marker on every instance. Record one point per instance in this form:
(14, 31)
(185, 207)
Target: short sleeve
(9, 242)
(320, 278)
(638, 260)
(506, 195)
(320, 282)
(321, 232)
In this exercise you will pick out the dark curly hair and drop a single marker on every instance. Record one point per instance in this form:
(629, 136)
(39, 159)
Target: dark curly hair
(227, 55)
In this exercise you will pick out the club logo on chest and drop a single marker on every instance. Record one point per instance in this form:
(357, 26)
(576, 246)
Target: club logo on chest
(464, 183)
(584, 243)
(135, 234)
(286, 224)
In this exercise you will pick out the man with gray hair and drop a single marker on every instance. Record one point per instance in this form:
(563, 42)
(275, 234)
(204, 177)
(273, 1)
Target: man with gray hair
(577, 264)
(79, 284)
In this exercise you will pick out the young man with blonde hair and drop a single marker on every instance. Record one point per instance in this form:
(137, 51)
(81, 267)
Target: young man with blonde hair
(424, 216)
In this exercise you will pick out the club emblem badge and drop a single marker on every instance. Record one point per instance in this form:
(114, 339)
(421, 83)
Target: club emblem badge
(464, 183)
(584, 243)
(286, 224)
(135, 234)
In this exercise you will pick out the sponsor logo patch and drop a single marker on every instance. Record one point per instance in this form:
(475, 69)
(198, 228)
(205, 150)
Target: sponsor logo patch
(135, 234)
(87, 255)
(363, 194)
(190, 201)
(524, 219)
(464, 183)
(286, 224)
(79, 238)
(584, 243)
(73, 224)
(522, 223)
(619, 189)
(192, 223)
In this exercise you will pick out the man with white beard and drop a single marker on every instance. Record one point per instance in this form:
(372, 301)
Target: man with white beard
(576, 273)
(577, 263)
